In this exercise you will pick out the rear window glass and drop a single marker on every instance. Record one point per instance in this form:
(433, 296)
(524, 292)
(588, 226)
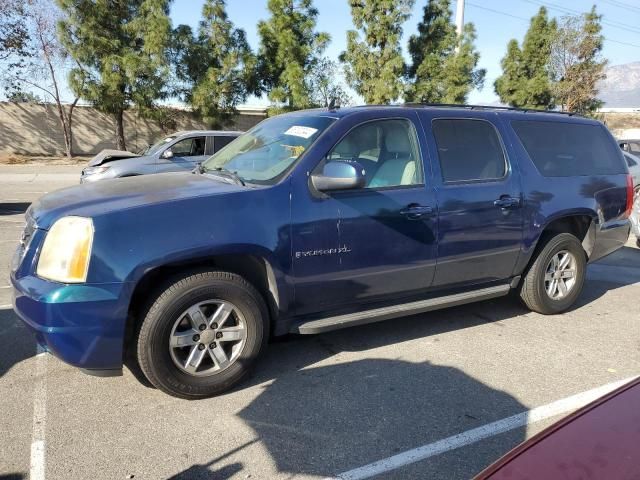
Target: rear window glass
(561, 149)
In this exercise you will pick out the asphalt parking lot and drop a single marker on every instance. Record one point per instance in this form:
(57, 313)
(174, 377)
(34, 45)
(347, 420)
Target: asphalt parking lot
(419, 397)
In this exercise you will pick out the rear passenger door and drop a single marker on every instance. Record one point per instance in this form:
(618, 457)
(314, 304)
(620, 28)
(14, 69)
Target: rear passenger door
(479, 199)
(221, 141)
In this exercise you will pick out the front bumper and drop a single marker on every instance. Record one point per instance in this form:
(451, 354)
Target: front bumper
(83, 325)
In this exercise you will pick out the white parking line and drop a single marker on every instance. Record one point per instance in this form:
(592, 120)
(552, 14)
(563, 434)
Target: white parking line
(37, 465)
(529, 417)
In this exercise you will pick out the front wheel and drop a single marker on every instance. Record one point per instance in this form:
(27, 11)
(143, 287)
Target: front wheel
(555, 279)
(202, 334)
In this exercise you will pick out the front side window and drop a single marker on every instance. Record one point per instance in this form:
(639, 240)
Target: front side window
(189, 147)
(468, 150)
(388, 151)
(265, 152)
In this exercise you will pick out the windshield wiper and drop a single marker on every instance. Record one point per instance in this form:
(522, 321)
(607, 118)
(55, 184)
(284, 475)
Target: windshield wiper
(227, 173)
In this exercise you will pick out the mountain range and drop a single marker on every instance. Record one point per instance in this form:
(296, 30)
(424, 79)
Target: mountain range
(621, 88)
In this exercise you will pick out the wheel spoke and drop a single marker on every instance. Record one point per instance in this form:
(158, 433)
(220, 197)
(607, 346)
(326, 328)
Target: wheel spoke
(548, 277)
(564, 261)
(232, 334)
(222, 314)
(551, 290)
(182, 339)
(194, 359)
(219, 357)
(562, 286)
(196, 317)
(556, 262)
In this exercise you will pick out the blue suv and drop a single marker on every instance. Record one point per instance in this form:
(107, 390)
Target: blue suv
(317, 220)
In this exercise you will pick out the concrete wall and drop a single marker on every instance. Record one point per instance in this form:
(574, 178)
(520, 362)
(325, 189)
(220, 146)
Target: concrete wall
(33, 129)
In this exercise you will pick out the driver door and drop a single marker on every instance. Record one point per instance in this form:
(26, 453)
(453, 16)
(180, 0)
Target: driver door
(374, 243)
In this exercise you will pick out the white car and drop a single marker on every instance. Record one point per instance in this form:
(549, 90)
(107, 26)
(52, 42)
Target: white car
(634, 169)
(635, 219)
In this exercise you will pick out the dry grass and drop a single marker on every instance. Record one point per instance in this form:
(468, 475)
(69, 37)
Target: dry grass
(15, 159)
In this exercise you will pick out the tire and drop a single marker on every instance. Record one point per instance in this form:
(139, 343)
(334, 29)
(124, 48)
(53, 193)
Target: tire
(171, 368)
(534, 290)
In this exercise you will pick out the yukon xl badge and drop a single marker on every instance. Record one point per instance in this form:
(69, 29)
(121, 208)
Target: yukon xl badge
(321, 252)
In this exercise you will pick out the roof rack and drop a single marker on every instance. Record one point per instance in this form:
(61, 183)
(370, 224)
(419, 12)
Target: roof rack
(486, 107)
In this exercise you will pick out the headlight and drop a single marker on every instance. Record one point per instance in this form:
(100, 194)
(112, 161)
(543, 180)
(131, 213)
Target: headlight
(94, 170)
(66, 250)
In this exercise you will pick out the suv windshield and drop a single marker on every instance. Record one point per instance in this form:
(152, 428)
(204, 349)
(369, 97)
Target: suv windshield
(266, 151)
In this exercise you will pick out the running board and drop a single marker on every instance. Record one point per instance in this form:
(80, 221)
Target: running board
(385, 313)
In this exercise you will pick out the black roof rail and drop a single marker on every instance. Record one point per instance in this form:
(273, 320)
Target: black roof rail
(487, 107)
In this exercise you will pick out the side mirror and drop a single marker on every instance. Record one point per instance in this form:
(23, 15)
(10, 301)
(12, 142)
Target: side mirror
(339, 175)
(625, 146)
(168, 153)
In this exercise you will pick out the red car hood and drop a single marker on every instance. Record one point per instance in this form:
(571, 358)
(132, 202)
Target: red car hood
(599, 441)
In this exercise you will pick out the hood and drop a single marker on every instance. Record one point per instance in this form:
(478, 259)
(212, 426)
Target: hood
(99, 198)
(109, 155)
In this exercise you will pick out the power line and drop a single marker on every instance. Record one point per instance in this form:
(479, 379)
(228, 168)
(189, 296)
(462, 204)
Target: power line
(622, 5)
(499, 12)
(611, 23)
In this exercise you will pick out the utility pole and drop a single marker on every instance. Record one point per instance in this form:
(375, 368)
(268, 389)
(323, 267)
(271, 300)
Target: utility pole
(459, 16)
(459, 21)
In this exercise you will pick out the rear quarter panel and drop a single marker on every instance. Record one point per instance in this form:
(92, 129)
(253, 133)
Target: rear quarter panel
(601, 197)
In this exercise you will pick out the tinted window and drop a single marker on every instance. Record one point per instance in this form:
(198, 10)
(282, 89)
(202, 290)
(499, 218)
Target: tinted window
(561, 149)
(468, 150)
(219, 142)
(388, 151)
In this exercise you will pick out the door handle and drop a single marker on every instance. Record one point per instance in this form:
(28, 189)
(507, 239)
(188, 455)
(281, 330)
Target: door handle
(416, 211)
(506, 201)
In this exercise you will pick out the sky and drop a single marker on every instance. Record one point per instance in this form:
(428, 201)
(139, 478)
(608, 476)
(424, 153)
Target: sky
(496, 22)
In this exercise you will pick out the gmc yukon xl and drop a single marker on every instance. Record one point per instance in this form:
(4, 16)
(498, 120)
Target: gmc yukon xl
(313, 221)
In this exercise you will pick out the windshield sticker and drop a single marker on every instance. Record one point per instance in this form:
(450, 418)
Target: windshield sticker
(298, 131)
(296, 150)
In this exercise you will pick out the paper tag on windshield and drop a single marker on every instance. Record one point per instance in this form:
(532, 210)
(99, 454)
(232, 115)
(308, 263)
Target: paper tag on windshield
(298, 131)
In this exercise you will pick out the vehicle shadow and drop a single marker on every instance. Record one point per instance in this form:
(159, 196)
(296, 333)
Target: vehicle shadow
(332, 418)
(13, 208)
(16, 343)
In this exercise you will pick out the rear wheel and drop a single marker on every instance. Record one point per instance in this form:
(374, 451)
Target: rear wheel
(555, 279)
(202, 334)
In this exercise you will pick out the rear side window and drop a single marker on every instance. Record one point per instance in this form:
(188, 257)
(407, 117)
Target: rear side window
(560, 149)
(222, 141)
(468, 150)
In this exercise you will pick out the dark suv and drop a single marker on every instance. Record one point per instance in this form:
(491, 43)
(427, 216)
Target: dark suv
(318, 220)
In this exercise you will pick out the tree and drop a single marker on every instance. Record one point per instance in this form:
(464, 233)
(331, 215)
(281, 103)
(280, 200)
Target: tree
(576, 64)
(23, 97)
(217, 68)
(289, 49)
(37, 66)
(121, 54)
(525, 81)
(14, 36)
(324, 86)
(444, 66)
(374, 66)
